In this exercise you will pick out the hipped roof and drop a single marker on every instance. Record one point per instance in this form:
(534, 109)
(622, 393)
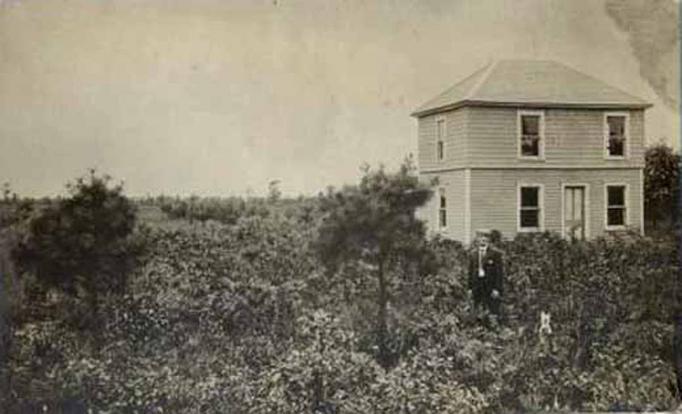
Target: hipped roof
(531, 83)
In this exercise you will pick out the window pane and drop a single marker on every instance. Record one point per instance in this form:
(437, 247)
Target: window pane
(529, 197)
(616, 195)
(616, 125)
(616, 216)
(530, 125)
(441, 129)
(443, 218)
(443, 202)
(569, 204)
(530, 135)
(577, 204)
(530, 146)
(441, 150)
(530, 218)
(616, 146)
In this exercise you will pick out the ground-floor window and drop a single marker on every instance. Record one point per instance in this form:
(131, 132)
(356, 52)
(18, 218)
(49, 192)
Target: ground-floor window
(442, 210)
(616, 206)
(530, 208)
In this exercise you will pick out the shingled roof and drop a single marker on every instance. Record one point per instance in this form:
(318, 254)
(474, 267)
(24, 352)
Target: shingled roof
(530, 83)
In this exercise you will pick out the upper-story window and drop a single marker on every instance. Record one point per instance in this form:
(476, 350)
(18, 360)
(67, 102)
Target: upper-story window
(440, 138)
(531, 131)
(615, 134)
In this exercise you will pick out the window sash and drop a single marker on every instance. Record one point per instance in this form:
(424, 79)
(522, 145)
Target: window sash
(616, 135)
(530, 125)
(616, 146)
(615, 216)
(530, 210)
(442, 209)
(529, 218)
(616, 128)
(530, 134)
(440, 139)
(530, 145)
(620, 194)
(616, 206)
(440, 125)
(533, 193)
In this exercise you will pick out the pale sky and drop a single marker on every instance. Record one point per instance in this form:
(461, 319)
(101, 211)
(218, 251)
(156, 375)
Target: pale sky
(216, 97)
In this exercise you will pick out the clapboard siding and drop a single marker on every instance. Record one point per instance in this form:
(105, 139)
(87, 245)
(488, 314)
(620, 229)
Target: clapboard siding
(573, 137)
(455, 127)
(494, 196)
(637, 140)
(454, 185)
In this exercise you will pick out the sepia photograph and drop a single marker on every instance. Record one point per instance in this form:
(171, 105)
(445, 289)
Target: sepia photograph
(340, 206)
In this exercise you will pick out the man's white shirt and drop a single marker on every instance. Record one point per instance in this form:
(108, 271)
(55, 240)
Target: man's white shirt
(481, 254)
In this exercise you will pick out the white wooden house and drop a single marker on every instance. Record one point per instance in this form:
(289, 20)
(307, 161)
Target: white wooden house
(528, 146)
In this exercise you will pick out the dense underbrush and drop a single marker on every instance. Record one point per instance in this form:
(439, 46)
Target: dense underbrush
(243, 318)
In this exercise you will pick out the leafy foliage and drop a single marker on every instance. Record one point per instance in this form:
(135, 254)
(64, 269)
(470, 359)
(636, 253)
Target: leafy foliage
(374, 221)
(80, 244)
(661, 182)
(246, 318)
(14, 209)
(373, 225)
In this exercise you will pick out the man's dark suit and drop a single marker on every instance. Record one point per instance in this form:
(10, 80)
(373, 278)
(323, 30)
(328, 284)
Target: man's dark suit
(492, 264)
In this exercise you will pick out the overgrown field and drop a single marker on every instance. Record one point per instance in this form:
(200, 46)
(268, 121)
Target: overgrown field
(241, 317)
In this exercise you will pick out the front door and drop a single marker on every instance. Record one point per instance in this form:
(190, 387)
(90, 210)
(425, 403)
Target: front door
(574, 212)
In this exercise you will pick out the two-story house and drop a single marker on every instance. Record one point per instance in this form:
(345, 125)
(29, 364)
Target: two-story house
(529, 146)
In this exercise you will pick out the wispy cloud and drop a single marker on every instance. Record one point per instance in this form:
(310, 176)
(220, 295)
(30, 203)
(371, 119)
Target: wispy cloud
(651, 26)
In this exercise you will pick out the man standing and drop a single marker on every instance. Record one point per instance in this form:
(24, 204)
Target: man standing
(486, 273)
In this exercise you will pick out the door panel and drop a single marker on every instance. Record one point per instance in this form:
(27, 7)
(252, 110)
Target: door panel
(574, 212)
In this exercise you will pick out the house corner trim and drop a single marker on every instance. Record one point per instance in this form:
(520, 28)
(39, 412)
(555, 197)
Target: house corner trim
(467, 206)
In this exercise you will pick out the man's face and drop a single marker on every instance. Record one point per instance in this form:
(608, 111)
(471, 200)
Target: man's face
(483, 241)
